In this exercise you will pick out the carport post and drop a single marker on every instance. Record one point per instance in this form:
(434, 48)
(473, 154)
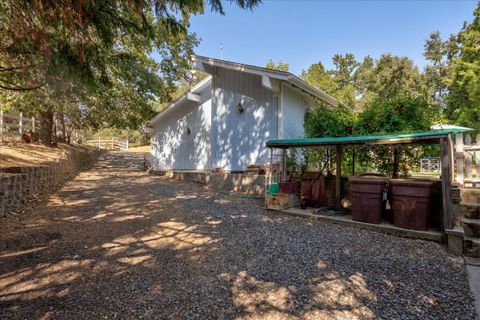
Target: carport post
(338, 176)
(445, 160)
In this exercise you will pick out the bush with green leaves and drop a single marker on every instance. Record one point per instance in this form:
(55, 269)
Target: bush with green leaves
(380, 118)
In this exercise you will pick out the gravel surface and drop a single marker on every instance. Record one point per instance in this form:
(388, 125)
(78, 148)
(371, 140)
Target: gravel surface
(119, 243)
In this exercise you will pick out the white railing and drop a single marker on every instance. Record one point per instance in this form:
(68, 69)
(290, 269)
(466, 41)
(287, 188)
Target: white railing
(430, 165)
(12, 125)
(466, 152)
(110, 144)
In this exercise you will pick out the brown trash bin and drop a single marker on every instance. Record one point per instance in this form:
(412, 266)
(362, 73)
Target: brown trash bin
(366, 198)
(411, 203)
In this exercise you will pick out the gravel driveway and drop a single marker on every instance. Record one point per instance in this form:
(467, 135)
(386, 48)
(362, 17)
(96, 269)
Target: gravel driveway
(119, 243)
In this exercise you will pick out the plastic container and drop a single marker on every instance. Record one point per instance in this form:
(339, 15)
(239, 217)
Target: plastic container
(411, 203)
(289, 187)
(318, 192)
(312, 189)
(366, 198)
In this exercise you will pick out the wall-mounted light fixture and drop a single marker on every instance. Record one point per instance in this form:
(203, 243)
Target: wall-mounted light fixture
(240, 108)
(189, 131)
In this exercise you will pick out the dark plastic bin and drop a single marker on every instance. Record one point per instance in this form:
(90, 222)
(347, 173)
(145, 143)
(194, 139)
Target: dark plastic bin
(366, 198)
(312, 189)
(290, 187)
(318, 192)
(411, 203)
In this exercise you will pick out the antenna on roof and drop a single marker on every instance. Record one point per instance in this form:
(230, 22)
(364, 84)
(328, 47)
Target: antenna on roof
(221, 51)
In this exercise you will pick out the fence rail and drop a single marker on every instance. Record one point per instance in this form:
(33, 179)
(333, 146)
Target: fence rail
(467, 160)
(12, 125)
(110, 144)
(431, 164)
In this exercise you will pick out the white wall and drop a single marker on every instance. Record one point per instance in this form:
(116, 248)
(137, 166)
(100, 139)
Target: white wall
(295, 105)
(238, 139)
(173, 148)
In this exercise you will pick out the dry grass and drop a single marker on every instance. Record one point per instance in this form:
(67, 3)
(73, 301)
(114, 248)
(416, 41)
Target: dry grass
(27, 154)
(140, 149)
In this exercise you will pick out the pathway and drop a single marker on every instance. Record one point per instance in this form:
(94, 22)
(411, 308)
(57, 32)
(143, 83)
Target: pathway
(119, 243)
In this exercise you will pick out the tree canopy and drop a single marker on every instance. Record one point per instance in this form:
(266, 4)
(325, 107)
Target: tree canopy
(95, 57)
(278, 66)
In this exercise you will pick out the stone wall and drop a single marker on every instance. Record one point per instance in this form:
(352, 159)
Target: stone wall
(20, 184)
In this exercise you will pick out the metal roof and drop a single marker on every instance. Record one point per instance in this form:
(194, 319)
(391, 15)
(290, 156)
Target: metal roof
(403, 138)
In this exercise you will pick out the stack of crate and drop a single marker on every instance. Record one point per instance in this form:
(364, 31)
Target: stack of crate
(282, 201)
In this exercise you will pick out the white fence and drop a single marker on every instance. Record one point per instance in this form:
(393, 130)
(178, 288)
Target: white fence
(428, 165)
(110, 144)
(12, 125)
(467, 160)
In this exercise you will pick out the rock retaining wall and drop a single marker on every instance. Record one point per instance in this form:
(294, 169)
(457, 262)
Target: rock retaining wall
(20, 184)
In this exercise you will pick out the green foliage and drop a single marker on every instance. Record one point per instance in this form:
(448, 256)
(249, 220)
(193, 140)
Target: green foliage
(437, 74)
(357, 85)
(281, 66)
(463, 101)
(382, 117)
(318, 76)
(398, 116)
(325, 121)
(94, 58)
(182, 87)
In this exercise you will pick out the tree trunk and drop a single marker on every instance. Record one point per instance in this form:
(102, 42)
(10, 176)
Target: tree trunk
(60, 127)
(46, 127)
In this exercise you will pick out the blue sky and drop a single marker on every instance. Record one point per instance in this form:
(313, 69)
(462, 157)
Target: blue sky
(304, 32)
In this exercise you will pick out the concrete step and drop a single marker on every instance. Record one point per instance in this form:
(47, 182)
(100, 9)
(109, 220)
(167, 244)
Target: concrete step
(470, 195)
(471, 227)
(472, 247)
(471, 210)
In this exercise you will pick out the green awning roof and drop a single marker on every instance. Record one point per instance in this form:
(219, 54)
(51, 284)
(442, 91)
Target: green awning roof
(404, 138)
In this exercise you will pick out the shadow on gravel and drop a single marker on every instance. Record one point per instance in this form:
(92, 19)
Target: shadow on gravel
(117, 242)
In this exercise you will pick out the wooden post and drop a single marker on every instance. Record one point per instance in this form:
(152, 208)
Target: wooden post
(468, 157)
(33, 124)
(338, 177)
(20, 123)
(459, 157)
(395, 163)
(445, 156)
(127, 144)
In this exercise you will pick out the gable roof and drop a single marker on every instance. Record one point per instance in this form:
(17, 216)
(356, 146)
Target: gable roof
(189, 95)
(264, 72)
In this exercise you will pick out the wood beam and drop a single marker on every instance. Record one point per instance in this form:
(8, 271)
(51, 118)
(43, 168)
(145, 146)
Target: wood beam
(338, 177)
(271, 84)
(445, 158)
(193, 97)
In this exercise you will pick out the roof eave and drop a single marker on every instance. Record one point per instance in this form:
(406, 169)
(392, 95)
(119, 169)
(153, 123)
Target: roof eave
(198, 87)
(275, 74)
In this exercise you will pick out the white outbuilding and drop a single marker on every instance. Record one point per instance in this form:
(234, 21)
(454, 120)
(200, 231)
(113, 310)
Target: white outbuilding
(224, 121)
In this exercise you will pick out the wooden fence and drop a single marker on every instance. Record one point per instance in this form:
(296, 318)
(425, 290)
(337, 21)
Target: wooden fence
(12, 125)
(467, 160)
(110, 144)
